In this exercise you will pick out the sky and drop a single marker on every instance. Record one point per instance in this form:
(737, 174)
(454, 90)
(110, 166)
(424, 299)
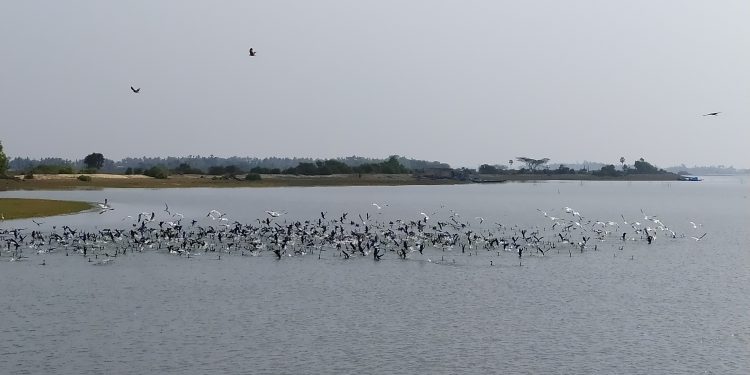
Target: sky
(463, 82)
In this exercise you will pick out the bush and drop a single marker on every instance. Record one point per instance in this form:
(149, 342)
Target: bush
(52, 169)
(84, 178)
(217, 170)
(29, 175)
(607, 171)
(252, 177)
(185, 168)
(157, 172)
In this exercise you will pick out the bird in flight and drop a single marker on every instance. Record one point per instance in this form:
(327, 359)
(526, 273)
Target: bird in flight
(712, 114)
(135, 90)
(275, 214)
(252, 53)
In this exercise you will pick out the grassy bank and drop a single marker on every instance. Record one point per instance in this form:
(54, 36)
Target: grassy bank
(65, 182)
(17, 208)
(100, 181)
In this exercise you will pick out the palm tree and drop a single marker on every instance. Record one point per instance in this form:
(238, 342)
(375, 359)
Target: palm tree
(511, 163)
(622, 161)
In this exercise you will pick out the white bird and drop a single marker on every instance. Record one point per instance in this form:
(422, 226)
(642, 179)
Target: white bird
(425, 216)
(377, 206)
(275, 214)
(105, 205)
(695, 226)
(481, 219)
(699, 238)
(213, 214)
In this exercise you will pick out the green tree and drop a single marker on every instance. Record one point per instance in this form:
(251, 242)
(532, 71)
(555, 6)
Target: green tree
(94, 160)
(157, 171)
(607, 170)
(532, 164)
(393, 166)
(488, 169)
(642, 166)
(3, 161)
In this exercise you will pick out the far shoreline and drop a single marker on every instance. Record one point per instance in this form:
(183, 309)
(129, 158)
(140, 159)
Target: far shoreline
(102, 181)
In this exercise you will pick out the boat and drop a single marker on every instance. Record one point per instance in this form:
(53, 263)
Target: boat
(690, 178)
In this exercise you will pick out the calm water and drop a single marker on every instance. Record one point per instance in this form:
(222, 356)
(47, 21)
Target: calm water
(677, 306)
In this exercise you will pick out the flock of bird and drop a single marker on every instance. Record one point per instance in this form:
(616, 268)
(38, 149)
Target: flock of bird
(438, 237)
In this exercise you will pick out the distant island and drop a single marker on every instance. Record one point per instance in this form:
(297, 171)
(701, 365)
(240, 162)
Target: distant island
(96, 171)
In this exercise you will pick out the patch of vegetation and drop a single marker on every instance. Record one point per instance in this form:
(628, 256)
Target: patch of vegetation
(52, 169)
(94, 161)
(84, 178)
(262, 170)
(3, 161)
(157, 172)
(607, 171)
(252, 177)
(331, 166)
(185, 168)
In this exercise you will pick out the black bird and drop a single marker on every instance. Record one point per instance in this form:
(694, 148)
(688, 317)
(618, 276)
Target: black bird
(135, 90)
(252, 53)
(712, 114)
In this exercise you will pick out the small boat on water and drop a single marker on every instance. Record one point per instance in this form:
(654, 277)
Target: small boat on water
(690, 178)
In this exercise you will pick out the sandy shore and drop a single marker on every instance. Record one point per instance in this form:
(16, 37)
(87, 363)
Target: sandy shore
(75, 176)
(103, 180)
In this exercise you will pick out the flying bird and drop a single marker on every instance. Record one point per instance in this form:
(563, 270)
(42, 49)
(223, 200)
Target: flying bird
(252, 53)
(135, 90)
(712, 114)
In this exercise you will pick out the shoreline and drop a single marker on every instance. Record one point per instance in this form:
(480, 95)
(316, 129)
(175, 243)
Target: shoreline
(102, 181)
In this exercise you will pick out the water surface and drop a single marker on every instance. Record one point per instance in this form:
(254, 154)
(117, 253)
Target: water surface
(677, 306)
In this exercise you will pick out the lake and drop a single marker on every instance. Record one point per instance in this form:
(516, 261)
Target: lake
(675, 306)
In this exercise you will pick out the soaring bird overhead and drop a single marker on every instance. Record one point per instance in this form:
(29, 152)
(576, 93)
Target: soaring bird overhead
(712, 114)
(252, 53)
(135, 90)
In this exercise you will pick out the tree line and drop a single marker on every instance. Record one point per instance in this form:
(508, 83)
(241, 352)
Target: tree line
(539, 166)
(212, 164)
(254, 167)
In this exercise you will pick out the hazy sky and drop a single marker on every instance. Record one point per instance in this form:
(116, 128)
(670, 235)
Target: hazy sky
(464, 82)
